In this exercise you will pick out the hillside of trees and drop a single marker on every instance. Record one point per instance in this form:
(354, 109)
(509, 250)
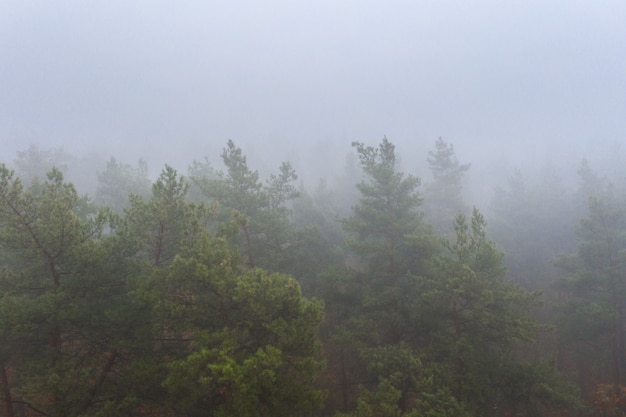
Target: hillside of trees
(224, 292)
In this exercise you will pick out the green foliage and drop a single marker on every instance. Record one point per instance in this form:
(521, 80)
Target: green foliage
(536, 389)
(439, 403)
(258, 211)
(280, 188)
(382, 402)
(157, 229)
(406, 387)
(252, 338)
(64, 306)
(205, 331)
(158, 306)
(240, 187)
(462, 321)
(48, 224)
(374, 304)
(391, 243)
(386, 213)
(474, 316)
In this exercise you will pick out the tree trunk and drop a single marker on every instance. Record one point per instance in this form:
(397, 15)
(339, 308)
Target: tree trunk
(6, 393)
(98, 384)
(344, 380)
(249, 244)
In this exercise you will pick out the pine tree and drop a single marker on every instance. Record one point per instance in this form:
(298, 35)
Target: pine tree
(593, 320)
(258, 210)
(118, 181)
(391, 244)
(443, 198)
(64, 305)
(386, 214)
(156, 229)
(249, 337)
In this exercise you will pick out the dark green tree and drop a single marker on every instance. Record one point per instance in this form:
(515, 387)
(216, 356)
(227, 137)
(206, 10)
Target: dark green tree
(63, 304)
(472, 315)
(386, 214)
(458, 353)
(156, 229)
(229, 340)
(382, 232)
(249, 338)
(257, 209)
(372, 302)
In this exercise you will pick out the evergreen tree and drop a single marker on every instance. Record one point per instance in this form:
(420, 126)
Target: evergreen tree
(64, 306)
(144, 314)
(372, 306)
(245, 340)
(533, 223)
(33, 164)
(592, 323)
(158, 228)
(383, 226)
(472, 316)
(318, 243)
(385, 215)
(258, 210)
(118, 181)
(443, 198)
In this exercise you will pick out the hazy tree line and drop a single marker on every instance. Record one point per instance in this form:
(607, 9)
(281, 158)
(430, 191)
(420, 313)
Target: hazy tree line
(222, 292)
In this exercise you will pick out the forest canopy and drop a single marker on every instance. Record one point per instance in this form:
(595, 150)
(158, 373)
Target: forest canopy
(234, 292)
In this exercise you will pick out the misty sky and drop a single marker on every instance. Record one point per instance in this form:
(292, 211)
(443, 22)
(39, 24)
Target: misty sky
(177, 79)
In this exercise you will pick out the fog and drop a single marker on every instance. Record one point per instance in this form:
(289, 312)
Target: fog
(510, 84)
(221, 292)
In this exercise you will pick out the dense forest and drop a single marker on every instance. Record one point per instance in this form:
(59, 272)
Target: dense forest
(222, 291)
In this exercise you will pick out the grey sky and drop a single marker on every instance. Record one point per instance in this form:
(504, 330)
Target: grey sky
(177, 79)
